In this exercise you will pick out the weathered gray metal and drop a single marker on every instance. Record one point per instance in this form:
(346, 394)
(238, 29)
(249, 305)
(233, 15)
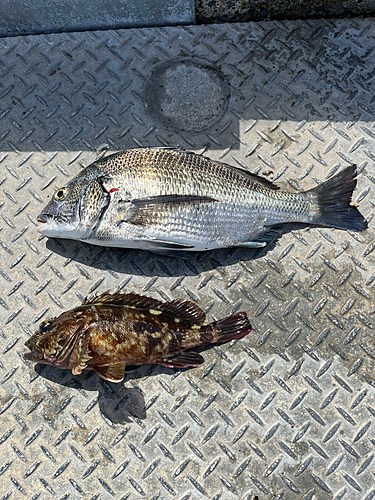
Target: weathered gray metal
(286, 411)
(26, 17)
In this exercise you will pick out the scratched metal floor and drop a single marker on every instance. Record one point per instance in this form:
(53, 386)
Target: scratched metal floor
(287, 412)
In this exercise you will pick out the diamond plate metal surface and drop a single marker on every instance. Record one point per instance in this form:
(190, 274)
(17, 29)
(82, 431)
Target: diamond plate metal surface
(286, 412)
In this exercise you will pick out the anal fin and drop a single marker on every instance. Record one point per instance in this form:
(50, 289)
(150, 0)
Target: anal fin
(183, 360)
(270, 234)
(111, 373)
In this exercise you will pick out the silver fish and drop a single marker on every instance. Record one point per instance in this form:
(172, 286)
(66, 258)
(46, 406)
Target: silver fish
(164, 200)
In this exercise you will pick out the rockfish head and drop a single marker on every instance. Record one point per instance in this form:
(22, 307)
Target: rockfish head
(76, 208)
(55, 342)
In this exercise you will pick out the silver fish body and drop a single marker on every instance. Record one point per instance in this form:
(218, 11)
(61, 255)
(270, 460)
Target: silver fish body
(164, 200)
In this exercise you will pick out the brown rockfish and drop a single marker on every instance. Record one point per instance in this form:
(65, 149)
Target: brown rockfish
(165, 200)
(109, 331)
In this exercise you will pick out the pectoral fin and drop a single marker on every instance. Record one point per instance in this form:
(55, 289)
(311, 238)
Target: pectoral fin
(112, 373)
(83, 354)
(155, 209)
(271, 234)
(63, 357)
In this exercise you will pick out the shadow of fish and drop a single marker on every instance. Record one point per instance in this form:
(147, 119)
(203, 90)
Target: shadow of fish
(107, 332)
(165, 200)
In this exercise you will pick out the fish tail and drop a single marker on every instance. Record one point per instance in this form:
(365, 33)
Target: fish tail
(333, 199)
(232, 327)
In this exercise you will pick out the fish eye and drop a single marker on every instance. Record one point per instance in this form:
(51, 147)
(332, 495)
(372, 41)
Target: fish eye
(61, 194)
(44, 327)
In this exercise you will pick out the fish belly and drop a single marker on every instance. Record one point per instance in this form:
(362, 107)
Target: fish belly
(195, 228)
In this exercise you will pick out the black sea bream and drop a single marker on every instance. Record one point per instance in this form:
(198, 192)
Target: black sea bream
(164, 200)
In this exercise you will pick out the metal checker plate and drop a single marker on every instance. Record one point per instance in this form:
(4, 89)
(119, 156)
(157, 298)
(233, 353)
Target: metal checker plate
(287, 412)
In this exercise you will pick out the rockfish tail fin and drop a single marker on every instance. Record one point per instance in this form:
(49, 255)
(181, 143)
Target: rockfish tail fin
(232, 327)
(333, 198)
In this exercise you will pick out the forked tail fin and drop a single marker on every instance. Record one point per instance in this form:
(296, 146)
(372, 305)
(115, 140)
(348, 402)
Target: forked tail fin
(333, 199)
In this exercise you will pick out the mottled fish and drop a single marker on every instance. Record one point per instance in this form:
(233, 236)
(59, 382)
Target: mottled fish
(164, 200)
(109, 331)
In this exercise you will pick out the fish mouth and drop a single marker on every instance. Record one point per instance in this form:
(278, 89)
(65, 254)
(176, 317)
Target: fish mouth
(43, 220)
(31, 356)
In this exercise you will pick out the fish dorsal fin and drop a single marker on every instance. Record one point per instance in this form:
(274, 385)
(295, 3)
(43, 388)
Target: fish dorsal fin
(261, 180)
(182, 311)
(264, 181)
(123, 299)
(254, 177)
(112, 373)
(97, 299)
(258, 178)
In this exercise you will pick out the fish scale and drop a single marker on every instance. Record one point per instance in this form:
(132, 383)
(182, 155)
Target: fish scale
(163, 200)
(109, 331)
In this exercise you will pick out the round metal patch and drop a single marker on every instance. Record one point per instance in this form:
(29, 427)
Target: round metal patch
(187, 94)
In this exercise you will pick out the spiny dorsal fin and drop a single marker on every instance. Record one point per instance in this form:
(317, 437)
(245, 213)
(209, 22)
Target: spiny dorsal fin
(123, 299)
(95, 299)
(254, 177)
(182, 311)
(186, 312)
(112, 373)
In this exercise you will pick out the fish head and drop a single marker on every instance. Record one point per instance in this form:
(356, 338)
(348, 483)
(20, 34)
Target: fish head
(76, 208)
(54, 342)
